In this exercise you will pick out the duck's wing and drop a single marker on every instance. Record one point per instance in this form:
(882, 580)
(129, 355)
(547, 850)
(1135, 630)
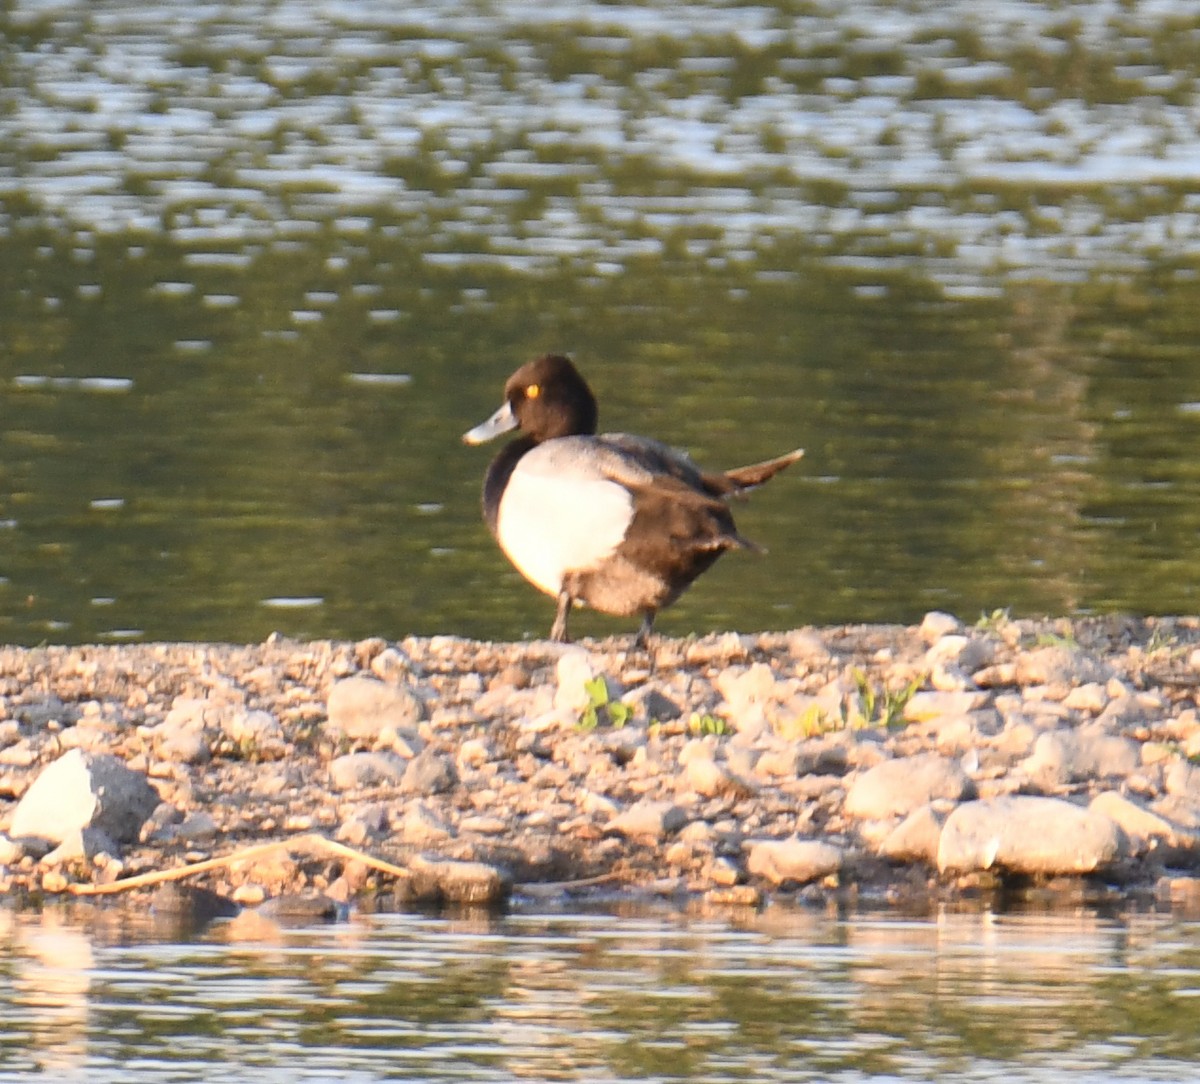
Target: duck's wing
(671, 492)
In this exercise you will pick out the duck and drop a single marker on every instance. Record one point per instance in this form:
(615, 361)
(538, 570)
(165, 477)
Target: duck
(619, 523)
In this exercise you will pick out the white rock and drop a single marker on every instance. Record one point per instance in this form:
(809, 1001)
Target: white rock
(916, 838)
(937, 624)
(574, 669)
(1059, 665)
(1142, 825)
(362, 707)
(1091, 697)
(897, 787)
(82, 844)
(650, 818)
(10, 851)
(1064, 756)
(356, 770)
(258, 727)
(794, 859)
(422, 827)
(1027, 834)
(196, 827)
(84, 790)
(429, 773)
(926, 706)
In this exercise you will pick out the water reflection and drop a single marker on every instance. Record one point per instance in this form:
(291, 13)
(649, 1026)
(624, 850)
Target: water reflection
(259, 267)
(614, 995)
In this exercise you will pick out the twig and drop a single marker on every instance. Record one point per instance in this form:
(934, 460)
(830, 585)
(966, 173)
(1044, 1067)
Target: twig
(310, 842)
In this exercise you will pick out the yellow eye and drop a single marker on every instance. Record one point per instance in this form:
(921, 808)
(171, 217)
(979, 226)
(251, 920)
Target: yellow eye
(533, 391)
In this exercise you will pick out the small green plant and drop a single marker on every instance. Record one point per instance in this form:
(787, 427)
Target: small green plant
(1161, 640)
(994, 621)
(600, 706)
(883, 708)
(703, 724)
(1054, 639)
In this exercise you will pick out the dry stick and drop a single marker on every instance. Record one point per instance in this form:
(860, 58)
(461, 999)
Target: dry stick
(312, 842)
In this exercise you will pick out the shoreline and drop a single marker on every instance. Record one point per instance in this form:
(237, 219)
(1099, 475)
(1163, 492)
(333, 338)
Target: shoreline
(877, 764)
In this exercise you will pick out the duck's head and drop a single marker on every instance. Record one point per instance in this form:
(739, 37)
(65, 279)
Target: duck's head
(545, 398)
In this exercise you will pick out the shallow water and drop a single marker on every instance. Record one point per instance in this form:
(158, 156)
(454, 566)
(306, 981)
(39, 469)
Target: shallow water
(261, 264)
(636, 993)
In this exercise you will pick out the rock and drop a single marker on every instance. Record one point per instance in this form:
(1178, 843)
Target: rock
(365, 709)
(965, 653)
(724, 871)
(1064, 756)
(1144, 827)
(748, 694)
(733, 896)
(10, 851)
(422, 827)
(82, 845)
(259, 731)
(1092, 697)
(182, 738)
(84, 790)
(897, 787)
(298, 907)
(1059, 665)
(710, 779)
(475, 883)
(1183, 779)
(356, 770)
(428, 773)
(794, 859)
(190, 904)
(936, 625)
(806, 646)
(574, 670)
(927, 706)
(474, 753)
(1027, 834)
(197, 827)
(649, 818)
(915, 839)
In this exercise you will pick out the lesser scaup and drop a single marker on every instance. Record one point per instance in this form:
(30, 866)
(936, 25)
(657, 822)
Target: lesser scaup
(620, 523)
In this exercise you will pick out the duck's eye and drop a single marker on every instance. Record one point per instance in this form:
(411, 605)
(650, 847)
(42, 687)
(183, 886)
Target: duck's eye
(532, 391)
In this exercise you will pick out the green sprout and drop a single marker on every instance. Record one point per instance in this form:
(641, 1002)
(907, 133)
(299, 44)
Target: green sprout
(600, 706)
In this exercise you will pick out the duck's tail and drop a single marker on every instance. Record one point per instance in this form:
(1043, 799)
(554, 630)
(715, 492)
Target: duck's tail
(756, 474)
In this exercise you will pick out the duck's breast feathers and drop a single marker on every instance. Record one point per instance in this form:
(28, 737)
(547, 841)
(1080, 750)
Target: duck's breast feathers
(564, 509)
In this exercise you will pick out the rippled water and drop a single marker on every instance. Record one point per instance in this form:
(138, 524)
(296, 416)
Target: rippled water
(262, 263)
(646, 994)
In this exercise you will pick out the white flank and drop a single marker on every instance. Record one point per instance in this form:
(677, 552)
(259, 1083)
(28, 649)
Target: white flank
(558, 517)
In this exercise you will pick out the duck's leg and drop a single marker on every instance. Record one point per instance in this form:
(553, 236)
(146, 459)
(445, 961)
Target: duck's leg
(642, 640)
(558, 631)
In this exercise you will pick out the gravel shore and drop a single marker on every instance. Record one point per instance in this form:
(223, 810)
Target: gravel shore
(870, 763)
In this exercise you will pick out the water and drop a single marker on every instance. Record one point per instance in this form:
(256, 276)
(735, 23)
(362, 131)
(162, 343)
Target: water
(639, 993)
(261, 264)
